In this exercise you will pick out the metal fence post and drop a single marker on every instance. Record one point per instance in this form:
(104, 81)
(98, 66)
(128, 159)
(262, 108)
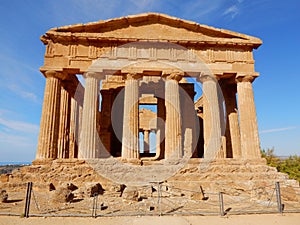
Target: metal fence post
(28, 197)
(278, 197)
(222, 213)
(159, 197)
(95, 202)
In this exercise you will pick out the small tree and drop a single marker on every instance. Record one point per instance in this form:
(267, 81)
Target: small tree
(272, 160)
(290, 166)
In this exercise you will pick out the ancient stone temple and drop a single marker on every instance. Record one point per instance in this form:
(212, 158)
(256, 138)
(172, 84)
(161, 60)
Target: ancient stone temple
(149, 106)
(148, 59)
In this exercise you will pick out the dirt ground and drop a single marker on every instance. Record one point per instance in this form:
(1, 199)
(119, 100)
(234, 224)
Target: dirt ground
(269, 219)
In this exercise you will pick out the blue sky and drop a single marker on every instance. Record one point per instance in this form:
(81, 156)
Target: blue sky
(277, 91)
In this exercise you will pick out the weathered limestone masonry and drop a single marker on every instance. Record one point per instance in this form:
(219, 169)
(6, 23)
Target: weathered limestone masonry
(149, 59)
(162, 49)
(130, 142)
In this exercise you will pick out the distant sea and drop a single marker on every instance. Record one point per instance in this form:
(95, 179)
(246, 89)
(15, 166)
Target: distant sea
(14, 163)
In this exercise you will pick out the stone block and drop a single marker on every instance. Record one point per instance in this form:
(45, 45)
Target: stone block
(130, 194)
(62, 195)
(92, 189)
(117, 188)
(3, 196)
(288, 194)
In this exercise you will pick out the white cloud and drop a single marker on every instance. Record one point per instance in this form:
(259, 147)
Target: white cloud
(232, 11)
(11, 61)
(19, 126)
(277, 130)
(15, 147)
(18, 139)
(200, 10)
(13, 139)
(24, 94)
(93, 10)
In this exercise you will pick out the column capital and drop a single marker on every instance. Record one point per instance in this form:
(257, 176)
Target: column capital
(246, 78)
(133, 76)
(96, 75)
(55, 74)
(174, 75)
(204, 77)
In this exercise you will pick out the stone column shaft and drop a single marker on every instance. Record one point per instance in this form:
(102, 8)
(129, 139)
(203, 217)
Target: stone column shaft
(248, 123)
(235, 134)
(130, 138)
(64, 122)
(211, 116)
(106, 107)
(89, 146)
(146, 141)
(74, 124)
(160, 132)
(233, 137)
(173, 136)
(47, 143)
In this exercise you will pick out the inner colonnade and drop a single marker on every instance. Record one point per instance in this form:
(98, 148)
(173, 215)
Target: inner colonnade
(125, 67)
(73, 126)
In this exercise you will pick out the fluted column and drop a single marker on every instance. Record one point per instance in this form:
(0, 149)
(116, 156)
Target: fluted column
(173, 135)
(74, 124)
(146, 141)
(233, 137)
(47, 143)
(89, 146)
(160, 132)
(235, 134)
(130, 138)
(248, 122)
(211, 117)
(64, 122)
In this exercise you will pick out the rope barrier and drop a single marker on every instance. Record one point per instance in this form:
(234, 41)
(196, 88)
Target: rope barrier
(35, 201)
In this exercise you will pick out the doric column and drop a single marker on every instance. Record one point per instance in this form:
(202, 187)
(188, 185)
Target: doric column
(64, 122)
(160, 123)
(188, 116)
(130, 138)
(248, 123)
(47, 143)
(105, 131)
(173, 136)
(77, 95)
(89, 141)
(211, 118)
(235, 134)
(233, 137)
(74, 124)
(146, 141)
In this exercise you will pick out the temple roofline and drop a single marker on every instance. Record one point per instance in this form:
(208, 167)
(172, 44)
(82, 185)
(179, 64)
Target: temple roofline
(95, 29)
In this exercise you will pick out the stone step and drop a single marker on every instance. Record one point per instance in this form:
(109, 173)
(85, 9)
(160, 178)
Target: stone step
(229, 176)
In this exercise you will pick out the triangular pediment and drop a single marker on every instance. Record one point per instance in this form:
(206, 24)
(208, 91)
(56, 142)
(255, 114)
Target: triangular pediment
(153, 26)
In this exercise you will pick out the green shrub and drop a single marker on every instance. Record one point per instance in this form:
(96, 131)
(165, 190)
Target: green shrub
(290, 165)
